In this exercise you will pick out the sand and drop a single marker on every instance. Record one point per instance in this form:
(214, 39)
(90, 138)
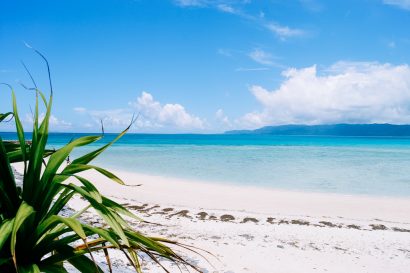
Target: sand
(263, 230)
(217, 196)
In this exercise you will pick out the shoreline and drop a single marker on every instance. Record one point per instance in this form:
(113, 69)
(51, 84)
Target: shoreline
(254, 230)
(250, 229)
(259, 200)
(197, 194)
(230, 183)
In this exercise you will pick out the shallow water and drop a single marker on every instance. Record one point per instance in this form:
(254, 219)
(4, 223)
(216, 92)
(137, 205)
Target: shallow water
(350, 165)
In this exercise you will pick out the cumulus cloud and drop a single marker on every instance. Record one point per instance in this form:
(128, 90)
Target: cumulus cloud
(59, 122)
(404, 4)
(222, 118)
(54, 122)
(167, 115)
(346, 92)
(284, 32)
(152, 116)
(112, 118)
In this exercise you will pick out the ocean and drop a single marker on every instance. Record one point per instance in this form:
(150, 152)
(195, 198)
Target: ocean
(376, 166)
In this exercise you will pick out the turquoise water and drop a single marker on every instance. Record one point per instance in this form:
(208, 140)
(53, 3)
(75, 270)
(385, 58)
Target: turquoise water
(350, 165)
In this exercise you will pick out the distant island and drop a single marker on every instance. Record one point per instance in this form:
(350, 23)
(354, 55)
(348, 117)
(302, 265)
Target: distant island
(331, 130)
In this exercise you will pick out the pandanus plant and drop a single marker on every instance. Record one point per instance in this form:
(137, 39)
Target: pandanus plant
(34, 235)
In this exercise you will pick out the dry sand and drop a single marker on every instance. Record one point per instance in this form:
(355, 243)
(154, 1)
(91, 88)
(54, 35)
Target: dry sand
(263, 230)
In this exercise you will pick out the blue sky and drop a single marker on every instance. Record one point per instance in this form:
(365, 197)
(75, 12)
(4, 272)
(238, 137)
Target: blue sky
(210, 65)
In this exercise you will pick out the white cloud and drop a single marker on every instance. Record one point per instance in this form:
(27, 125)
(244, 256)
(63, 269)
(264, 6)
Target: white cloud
(153, 117)
(222, 5)
(239, 8)
(284, 32)
(79, 109)
(119, 119)
(244, 69)
(54, 122)
(190, 3)
(88, 125)
(222, 118)
(404, 4)
(262, 57)
(112, 118)
(226, 8)
(167, 115)
(346, 92)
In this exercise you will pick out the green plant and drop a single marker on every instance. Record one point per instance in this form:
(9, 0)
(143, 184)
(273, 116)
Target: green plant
(34, 237)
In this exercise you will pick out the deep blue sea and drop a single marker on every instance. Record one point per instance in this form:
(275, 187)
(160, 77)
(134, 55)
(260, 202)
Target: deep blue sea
(348, 165)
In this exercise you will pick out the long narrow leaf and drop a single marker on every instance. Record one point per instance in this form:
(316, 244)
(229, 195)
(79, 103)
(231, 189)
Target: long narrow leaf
(111, 219)
(31, 268)
(74, 224)
(5, 115)
(20, 131)
(53, 269)
(74, 168)
(81, 262)
(90, 156)
(5, 230)
(24, 212)
(9, 194)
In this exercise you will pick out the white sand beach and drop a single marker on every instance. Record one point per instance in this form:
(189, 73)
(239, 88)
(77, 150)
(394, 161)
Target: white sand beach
(252, 136)
(263, 230)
